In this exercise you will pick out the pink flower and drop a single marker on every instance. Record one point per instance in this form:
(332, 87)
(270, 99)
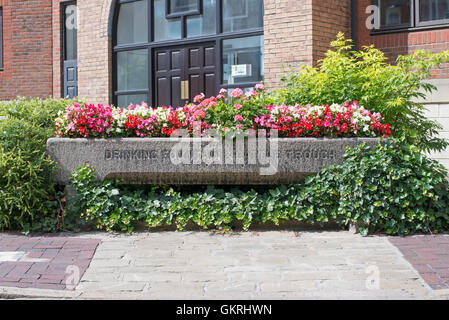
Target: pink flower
(223, 91)
(239, 126)
(250, 94)
(237, 93)
(238, 106)
(238, 118)
(199, 114)
(259, 86)
(199, 97)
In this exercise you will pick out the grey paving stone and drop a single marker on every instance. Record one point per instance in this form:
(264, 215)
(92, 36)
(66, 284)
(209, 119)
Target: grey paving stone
(253, 265)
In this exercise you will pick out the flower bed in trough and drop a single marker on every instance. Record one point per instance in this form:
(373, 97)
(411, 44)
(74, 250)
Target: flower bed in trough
(218, 140)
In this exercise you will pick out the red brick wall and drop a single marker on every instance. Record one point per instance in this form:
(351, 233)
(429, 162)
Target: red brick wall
(394, 44)
(329, 17)
(298, 32)
(27, 46)
(287, 36)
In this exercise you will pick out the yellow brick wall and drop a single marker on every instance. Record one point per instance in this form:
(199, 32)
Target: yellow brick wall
(288, 38)
(94, 51)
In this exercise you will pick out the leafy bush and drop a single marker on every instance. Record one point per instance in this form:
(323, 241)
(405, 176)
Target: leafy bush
(347, 75)
(27, 194)
(392, 188)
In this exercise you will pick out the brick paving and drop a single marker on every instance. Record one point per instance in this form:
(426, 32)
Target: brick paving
(429, 255)
(44, 262)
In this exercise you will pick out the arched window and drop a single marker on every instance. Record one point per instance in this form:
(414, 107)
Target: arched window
(167, 51)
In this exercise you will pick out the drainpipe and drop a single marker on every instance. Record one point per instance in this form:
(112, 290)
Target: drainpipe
(353, 24)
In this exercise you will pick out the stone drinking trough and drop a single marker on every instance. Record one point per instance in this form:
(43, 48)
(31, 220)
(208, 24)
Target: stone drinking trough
(200, 161)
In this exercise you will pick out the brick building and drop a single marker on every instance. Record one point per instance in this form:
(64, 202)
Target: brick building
(166, 51)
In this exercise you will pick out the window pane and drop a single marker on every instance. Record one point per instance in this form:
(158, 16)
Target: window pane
(204, 24)
(430, 10)
(178, 6)
(242, 14)
(124, 101)
(243, 60)
(394, 12)
(132, 70)
(165, 29)
(70, 34)
(133, 23)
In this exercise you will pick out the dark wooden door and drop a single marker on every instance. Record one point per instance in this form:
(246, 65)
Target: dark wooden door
(183, 72)
(70, 79)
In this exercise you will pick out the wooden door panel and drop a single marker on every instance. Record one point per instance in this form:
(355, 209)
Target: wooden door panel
(175, 91)
(176, 60)
(195, 85)
(209, 84)
(194, 58)
(162, 61)
(163, 92)
(209, 57)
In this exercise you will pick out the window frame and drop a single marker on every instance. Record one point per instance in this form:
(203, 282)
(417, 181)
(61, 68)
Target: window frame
(427, 23)
(63, 16)
(151, 45)
(1, 38)
(415, 24)
(181, 14)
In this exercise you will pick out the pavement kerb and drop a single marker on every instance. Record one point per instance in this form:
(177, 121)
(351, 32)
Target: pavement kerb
(24, 293)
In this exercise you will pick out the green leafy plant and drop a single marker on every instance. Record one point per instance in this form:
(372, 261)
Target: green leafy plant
(365, 76)
(392, 188)
(28, 198)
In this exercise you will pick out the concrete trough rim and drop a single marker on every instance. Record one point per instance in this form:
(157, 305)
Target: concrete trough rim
(151, 160)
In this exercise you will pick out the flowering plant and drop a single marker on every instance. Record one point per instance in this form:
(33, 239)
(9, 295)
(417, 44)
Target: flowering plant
(91, 121)
(347, 120)
(236, 110)
(239, 111)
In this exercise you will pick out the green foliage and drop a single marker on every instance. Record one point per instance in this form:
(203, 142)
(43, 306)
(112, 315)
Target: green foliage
(393, 188)
(365, 76)
(28, 199)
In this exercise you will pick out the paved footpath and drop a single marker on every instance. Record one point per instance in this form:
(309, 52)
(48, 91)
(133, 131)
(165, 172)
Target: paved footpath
(253, 265)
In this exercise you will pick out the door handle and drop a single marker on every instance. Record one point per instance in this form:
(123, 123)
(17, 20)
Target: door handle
(185, 90)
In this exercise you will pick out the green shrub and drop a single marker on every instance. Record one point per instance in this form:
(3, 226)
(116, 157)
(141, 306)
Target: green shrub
(27, 194)
(392, 188)
(365, 76)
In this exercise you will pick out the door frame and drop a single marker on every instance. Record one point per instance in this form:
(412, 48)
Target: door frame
(218, 38)
(62, 6)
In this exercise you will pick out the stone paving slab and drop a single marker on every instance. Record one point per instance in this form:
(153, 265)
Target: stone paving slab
(267, 265)
(429, 255)
(43, 262)
(253, 265)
